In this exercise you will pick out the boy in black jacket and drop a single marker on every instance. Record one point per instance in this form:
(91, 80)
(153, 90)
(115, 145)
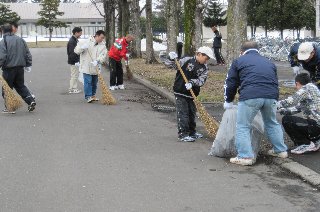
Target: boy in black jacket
(196, 71)
(73, 60)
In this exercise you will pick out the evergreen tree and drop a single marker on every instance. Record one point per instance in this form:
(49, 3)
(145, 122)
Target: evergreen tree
(48, 14)
(214, 14)
(7, 16)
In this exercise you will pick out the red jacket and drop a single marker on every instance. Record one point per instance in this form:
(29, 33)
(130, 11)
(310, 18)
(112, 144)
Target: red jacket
(119, 49)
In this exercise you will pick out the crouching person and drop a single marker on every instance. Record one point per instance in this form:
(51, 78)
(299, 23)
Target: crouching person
(196, 71)
(255, 79)
(92, 53)
(303, 131)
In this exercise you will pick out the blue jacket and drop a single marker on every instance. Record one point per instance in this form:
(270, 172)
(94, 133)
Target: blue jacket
(293, 55)
(253, 76)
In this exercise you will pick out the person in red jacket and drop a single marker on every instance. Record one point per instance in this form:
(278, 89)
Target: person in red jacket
(117, 52)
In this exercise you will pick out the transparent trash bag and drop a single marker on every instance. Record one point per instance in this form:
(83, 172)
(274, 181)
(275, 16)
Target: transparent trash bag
(224, 143)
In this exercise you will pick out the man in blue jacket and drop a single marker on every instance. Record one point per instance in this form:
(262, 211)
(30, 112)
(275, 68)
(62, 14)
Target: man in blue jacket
(308, 55)
(255, 79)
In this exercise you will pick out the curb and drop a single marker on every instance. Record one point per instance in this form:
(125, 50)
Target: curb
(155, 88)
(301, 171)
(296, 168)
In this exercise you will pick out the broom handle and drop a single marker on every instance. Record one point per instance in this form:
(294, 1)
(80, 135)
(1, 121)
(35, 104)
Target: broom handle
(92, 59)
(185, 78)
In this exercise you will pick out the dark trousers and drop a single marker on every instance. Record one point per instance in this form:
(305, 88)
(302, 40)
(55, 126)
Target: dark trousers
(301, 130)
(218, 55)
(116, 72)
(179, 49)
(186, 114)
(15, 79)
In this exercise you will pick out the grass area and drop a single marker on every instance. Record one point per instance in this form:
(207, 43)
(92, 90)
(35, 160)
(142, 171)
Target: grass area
(164, 77)
(47, 44)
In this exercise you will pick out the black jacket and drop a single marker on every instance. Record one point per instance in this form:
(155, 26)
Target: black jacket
(195, 72)
(253, 76)
(217, 39)
(72, 57)
(14, 52)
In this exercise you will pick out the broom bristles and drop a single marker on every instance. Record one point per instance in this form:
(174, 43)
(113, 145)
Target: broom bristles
(129, 73)
(210, 124)
(107, 98)
(12, 101)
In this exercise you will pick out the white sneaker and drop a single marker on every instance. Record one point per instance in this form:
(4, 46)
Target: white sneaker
(76, 91)
(243, 161)
(305, 148)
(112, 88)
(121, 87)
(271, 152)
(90, 99)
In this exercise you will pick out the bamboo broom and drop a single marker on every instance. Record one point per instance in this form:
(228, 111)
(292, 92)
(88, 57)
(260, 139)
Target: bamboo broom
(129, 72)
(107, 98)
(210, 124)
(11, 99)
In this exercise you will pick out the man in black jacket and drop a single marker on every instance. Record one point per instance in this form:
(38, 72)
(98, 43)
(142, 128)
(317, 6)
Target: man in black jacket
(217, 45)
(74, 59)
(15, 58)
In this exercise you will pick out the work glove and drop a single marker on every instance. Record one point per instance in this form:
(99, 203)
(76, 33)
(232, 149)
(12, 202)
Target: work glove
(77, 64)
(126, 62)
(173, 55)
(84, 46)
(127, 55)
(278, 105)
(296, 70)
(27, 69)
(188, 86)
(227, 105)
(94, 63)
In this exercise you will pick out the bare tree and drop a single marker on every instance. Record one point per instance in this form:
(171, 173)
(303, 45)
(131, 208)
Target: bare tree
(150, 58)
(197, 39)
(124, 17)
(171, 11)
(136, 31)
(237, 28)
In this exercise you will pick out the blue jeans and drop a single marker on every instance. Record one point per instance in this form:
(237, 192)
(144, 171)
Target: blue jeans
(90, 85)
(247, 110)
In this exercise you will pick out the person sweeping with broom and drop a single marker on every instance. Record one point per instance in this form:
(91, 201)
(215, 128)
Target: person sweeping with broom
(116, 53)
(15, 58)
(92, 53)
(196, 72)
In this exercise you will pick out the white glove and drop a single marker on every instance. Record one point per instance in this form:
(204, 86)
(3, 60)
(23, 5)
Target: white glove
(127, 55)
(77, 64)
(94, 63)
(126, 62)
(278, 105)
(296, 70)
(27, 69)
(188, 86)
(84, 46)
(227, 105)
(172, 55)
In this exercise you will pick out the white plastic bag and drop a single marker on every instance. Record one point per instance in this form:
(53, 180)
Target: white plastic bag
(224, 143)
(80, 78)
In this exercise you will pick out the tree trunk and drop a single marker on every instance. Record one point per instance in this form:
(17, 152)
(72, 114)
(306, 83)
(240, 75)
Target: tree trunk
(265, 32)
(109, 14)
(119, 26)
(150, 58)
(237, 28)
(50, 33)
(197, 40)
(189, 28)
(171, 12)
(178, 15)
(136, 31)
(125, 17)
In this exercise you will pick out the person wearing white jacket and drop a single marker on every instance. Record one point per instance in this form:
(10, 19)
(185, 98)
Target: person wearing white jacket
(92, 54)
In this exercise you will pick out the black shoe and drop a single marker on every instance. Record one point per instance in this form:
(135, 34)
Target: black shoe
(32, 106)
(196, 135)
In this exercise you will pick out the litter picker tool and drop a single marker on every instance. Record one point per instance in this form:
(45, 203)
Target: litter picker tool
(210, 124)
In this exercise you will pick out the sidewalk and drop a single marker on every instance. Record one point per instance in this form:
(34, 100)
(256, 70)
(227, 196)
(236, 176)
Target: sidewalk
(305, 166)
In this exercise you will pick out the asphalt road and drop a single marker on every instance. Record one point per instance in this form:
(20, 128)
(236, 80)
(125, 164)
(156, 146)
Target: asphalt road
(69, 155)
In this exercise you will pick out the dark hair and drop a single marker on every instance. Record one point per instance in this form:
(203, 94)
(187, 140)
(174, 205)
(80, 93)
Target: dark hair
(249, 45)
(76, 29)
(15, 24)
(6, 28)
(99, 32)
(303, 78)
